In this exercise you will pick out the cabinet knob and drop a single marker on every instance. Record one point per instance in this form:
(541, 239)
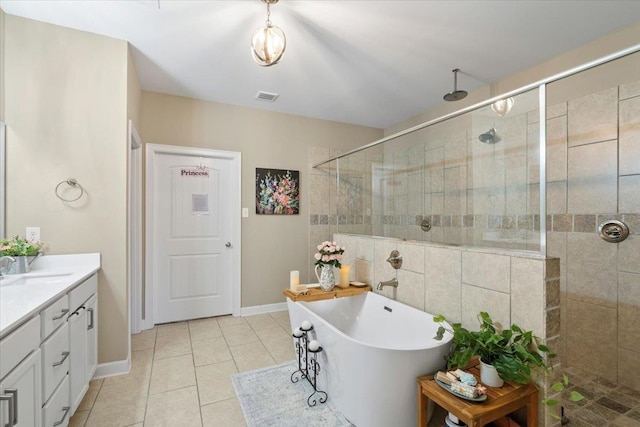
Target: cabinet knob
(90, 311)
(65, 409)
(12, 400)
(62, 313)
(65, 354)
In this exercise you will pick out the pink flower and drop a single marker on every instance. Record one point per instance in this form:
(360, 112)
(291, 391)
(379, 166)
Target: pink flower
(320, 247)
(317, 256)
(338, 257)
(325, 258)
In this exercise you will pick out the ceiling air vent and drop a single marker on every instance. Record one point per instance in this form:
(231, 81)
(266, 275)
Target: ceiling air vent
(266, 96)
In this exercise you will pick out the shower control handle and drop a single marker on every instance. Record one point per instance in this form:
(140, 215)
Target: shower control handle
(613, 231)
(395, 259)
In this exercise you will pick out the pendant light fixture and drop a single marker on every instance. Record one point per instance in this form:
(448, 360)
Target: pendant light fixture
(268, 42)
(503, 106)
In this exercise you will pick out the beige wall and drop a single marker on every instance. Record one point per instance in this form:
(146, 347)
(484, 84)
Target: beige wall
(271, 245)
(134, 93)
(66, 107)
(2, 37)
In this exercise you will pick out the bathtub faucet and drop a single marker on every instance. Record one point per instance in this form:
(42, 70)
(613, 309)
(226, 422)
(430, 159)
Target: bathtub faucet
(392, 282)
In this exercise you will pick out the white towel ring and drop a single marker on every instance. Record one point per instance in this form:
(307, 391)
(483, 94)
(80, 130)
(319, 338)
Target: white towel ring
(72, 182)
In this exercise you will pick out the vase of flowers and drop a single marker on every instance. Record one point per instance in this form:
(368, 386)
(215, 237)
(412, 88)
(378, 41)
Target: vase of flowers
(328, 256)
(19, 248)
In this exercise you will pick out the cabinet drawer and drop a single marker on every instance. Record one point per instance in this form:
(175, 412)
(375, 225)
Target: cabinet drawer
(17, 345)
(82, 292)
(55, 361)
(56, 412)
(54, 316)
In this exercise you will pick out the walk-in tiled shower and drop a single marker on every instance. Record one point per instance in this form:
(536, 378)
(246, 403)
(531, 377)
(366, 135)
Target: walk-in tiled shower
(472, 182)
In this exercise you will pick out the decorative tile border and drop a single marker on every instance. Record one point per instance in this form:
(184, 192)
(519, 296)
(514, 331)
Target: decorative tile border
(576, 223)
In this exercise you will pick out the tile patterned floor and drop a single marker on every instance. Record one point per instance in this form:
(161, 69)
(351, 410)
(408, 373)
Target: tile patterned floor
(180, 376)
(606, 404)
(180, 373)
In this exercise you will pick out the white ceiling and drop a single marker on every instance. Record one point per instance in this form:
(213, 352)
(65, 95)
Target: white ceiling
(372, 63)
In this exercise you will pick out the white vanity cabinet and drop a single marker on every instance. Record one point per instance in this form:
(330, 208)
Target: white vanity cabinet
(83, 322)
(48, 340)
(20, 377)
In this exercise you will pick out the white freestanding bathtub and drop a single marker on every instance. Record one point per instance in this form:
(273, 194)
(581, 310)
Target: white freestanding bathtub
(374, 348)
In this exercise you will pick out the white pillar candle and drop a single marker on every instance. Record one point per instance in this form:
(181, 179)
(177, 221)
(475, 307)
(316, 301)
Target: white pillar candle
(345, 275)
(294, 280)
(314, 345)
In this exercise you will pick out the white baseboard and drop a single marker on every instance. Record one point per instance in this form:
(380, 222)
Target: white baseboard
(260, 309)
(111, 369)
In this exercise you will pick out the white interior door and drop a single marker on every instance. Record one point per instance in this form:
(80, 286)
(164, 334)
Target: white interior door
(194, 251)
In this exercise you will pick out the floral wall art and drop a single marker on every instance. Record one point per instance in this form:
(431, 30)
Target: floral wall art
(277, 192)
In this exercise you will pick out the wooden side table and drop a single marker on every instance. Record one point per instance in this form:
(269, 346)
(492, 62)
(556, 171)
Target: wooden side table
(500, 401)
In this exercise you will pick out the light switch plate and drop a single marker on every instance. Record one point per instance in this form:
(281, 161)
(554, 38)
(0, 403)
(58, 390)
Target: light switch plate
(245, 212)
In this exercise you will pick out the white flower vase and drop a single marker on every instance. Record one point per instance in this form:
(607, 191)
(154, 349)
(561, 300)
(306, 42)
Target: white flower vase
(325, 278)
(489, 375)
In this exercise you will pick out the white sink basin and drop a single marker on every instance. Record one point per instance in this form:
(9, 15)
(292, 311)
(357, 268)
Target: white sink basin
(35, 279)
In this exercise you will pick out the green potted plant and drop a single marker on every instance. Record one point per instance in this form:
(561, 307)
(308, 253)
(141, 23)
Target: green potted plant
(19, 248)
(512, 352)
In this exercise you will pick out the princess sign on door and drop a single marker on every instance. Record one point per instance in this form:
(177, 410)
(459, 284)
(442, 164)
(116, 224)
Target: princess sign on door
(194, 173)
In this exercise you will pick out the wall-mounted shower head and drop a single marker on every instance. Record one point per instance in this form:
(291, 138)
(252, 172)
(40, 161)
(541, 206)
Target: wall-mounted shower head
(456, 95)
(489, 137)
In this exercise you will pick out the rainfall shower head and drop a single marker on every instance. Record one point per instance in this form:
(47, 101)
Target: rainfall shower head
(489, 137)
(456, 95)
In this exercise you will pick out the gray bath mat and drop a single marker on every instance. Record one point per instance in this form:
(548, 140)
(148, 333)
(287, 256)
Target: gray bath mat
(269, 398)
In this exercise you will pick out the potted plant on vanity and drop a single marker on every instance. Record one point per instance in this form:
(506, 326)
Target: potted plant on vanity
(19, 248)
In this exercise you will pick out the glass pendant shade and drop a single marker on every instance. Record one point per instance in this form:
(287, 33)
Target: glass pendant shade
(503, 106)
(267, 45)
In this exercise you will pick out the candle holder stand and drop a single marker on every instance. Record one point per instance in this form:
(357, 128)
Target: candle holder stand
(308, 367)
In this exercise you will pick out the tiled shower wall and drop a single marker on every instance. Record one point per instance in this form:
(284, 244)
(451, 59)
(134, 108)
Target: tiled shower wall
(470, 192)
(593, 175)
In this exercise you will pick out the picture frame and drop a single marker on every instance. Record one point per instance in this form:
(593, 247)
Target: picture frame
(277, 191)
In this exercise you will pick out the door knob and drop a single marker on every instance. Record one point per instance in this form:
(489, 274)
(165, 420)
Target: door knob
(228, 244)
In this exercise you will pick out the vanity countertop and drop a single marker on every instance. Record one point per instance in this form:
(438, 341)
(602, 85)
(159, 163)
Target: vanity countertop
(51, 276)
